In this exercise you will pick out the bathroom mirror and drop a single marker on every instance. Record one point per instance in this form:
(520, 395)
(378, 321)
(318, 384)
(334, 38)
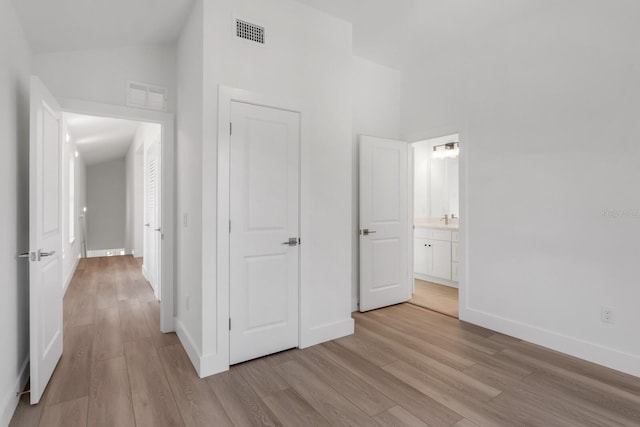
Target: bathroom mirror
(436, 185)
(443, 188)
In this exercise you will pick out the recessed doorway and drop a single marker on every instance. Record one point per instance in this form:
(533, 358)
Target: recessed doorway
(436, 204)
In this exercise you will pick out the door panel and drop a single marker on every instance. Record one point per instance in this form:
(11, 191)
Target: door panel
(264, 214)
(384, 251)
(441, 259)
(45, 238)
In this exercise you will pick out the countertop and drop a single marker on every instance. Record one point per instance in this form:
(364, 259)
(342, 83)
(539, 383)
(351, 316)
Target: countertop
(437, 225)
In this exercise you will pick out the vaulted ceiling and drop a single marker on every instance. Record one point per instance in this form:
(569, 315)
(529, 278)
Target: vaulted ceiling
(63, 25)
(100, 139)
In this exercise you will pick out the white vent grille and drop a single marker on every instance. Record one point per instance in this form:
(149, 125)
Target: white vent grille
(252, 32)
(143, 95)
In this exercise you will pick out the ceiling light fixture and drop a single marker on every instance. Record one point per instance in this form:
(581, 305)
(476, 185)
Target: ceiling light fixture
(444, 151)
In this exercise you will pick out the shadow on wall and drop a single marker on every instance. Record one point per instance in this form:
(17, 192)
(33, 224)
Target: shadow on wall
(22, 220)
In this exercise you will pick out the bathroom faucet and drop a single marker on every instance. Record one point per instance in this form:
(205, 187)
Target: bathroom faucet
(445, 218)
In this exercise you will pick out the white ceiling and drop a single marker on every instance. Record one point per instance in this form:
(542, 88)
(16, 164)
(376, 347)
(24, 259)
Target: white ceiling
(100, 139)
(398, 33)
(62, 25)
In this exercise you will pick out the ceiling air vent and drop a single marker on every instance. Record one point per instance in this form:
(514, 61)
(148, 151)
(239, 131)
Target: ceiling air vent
(142, 95)
(248, 31)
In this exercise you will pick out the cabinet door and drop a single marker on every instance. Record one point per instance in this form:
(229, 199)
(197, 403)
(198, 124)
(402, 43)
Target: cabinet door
(441, 258)
(421, 255)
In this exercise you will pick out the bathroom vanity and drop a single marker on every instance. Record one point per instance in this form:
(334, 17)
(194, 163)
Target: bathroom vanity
(436, 253)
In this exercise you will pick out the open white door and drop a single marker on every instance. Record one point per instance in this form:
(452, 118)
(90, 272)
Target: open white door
(45, 238)
(152, 229)
(384, 223)
(264, 212)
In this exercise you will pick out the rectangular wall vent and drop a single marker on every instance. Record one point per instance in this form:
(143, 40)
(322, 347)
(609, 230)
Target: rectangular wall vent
(248, 31)
(142, 95)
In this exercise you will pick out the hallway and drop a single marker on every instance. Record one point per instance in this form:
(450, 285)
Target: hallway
(113, 352)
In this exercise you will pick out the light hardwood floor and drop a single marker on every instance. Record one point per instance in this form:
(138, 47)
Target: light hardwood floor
(404, 366)
(443, 299)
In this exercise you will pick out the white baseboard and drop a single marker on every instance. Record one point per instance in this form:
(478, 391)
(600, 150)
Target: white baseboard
(105, 252)
(10, 399)
(194, 353)
(205, 365)
(437, 280)
(611, 358)
(328, 332)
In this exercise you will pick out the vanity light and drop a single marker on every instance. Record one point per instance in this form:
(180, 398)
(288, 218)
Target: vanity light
(448, 150)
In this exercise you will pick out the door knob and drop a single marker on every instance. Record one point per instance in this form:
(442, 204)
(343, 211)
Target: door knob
(293, 241)
(147, 225)
(366, 232)
(158, 229)
(44, 254)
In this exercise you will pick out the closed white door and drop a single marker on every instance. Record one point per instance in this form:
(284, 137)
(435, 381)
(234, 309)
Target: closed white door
(45, 238)
(384, 219)
(152, 228)
(264, 231)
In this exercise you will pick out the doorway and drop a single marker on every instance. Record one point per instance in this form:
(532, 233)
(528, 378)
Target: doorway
(436, 216)
(156, 128)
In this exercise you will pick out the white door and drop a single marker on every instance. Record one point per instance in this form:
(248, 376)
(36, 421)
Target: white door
(45, 238)
(152, 227)
(384, 223)
(264, 251)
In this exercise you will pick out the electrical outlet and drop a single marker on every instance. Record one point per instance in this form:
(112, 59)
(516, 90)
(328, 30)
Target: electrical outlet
(607, 315)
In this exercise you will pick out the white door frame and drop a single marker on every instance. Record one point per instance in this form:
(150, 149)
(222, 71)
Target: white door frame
(225, 96)
(167, 147)
(463, 255)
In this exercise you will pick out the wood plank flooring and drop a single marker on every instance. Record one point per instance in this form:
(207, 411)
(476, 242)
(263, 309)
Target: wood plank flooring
(443, 299)
(404, 366)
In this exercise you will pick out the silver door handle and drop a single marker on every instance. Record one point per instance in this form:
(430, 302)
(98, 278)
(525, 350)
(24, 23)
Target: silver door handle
(366, 232)
(43, 254)
(293, 241)
(158, 229)
(24, 255)
(146, 225)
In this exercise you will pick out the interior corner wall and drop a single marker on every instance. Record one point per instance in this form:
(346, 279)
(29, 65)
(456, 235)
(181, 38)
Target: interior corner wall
(101, 75)
(308, 57)
(376, 112)
(552, 154)
(14, 215)
(106, 205)
(189, 166)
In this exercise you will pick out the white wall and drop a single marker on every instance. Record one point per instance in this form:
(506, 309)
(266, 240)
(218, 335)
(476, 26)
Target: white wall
(72, 250)
(376, 112)
(308, 58)
(14, 215)
(106, 205)
(189, 182)
(550, 142)
(101, 75)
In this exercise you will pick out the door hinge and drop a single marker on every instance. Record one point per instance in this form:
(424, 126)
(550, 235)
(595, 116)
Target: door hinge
(230, 128)
(229, 323)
